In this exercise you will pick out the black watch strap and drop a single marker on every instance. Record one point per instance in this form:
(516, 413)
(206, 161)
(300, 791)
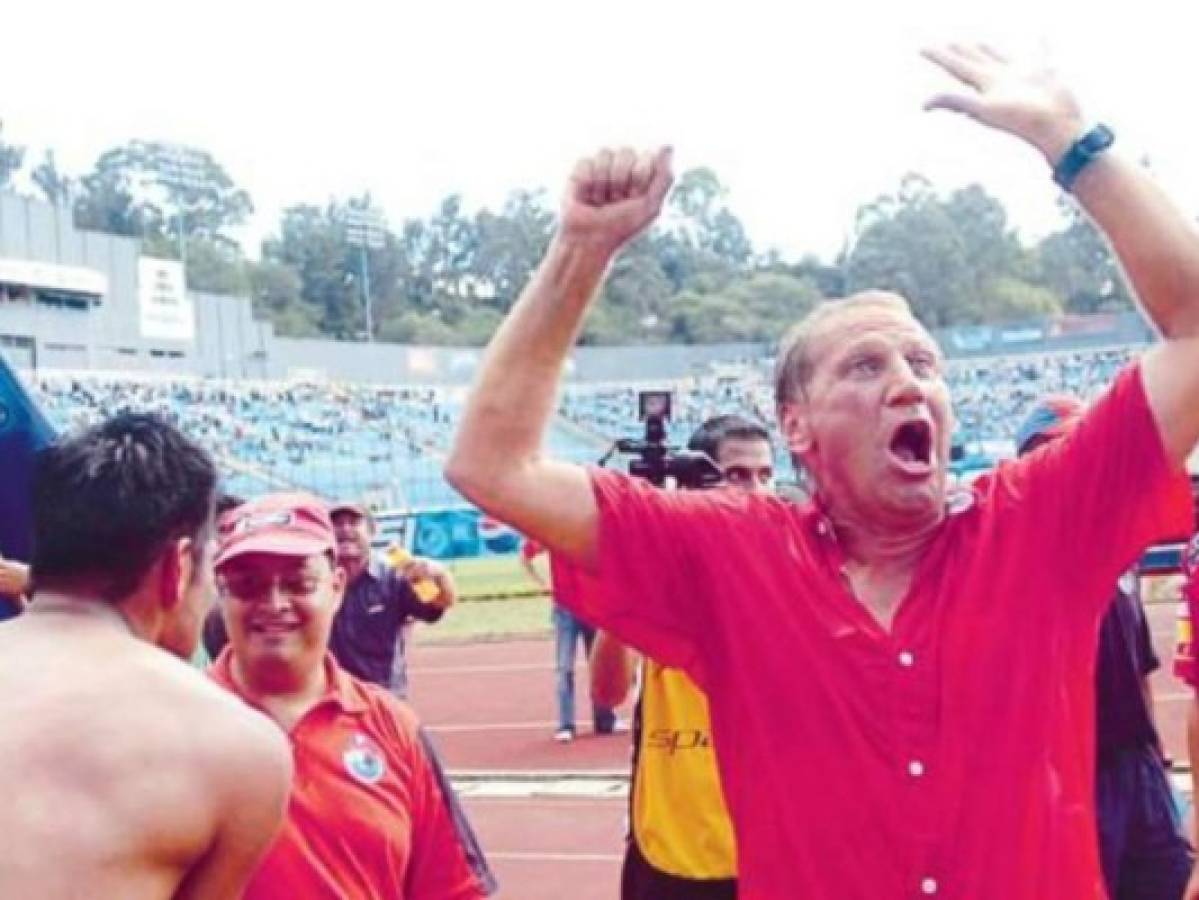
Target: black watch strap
(1080, 155)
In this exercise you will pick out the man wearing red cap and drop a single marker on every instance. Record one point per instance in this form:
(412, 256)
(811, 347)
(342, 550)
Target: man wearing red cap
(369, 636)
(1141, 846)
(366, 817)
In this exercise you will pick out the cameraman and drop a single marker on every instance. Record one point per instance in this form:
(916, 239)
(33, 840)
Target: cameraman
(681, 842)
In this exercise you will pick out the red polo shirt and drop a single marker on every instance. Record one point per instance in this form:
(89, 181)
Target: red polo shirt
(365, 820)
(949, 757)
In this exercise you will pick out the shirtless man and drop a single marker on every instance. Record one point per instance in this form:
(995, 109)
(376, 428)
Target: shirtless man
(124, 771)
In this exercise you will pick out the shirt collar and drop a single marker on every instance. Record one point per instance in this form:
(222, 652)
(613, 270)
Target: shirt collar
(341, 689)
(958, 499)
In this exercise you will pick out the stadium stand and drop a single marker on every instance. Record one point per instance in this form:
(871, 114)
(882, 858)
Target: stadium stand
(386, 443)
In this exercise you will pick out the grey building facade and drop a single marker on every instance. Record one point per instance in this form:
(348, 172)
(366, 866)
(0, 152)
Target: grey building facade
(80, 300)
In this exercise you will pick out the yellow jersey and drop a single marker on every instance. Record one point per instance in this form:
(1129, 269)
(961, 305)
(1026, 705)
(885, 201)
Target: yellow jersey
(679, 818)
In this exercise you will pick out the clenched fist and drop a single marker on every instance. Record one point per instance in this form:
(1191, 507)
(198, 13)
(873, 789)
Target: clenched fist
(613, 195)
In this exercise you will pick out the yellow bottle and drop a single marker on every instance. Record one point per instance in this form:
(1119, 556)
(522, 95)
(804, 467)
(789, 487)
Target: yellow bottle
(425, 589)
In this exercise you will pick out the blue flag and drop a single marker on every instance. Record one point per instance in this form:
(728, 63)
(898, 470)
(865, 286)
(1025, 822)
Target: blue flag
(23, 431)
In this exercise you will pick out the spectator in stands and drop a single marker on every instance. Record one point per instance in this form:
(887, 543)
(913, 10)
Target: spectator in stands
(123, 772)
(1141, 846)
(366, 816)
(680, 842)
(370, 632)
(569, 630)
(896, 673)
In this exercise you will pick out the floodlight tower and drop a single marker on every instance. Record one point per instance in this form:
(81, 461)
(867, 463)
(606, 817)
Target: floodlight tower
(365, 229)
(182, 171)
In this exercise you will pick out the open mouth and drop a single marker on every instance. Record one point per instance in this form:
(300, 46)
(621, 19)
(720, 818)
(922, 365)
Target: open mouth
(912, 445)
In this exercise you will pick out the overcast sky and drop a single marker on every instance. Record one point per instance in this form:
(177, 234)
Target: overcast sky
(805, 110)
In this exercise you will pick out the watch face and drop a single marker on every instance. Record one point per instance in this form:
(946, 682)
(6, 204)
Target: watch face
(1098, 138)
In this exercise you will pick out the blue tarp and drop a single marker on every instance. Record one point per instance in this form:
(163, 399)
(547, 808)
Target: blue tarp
(23, 431)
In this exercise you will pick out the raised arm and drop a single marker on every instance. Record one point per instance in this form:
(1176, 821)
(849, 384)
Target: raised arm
(496, 459)
(1157, 246)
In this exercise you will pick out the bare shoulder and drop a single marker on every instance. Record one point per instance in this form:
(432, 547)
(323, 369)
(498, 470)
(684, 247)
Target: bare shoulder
(224, 731)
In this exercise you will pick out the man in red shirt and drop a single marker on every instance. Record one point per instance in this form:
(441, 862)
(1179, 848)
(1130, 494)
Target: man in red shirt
(900, 675)
(366, 819)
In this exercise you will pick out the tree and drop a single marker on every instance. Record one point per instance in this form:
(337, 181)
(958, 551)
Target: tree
(107, 203)
(56, 187)
(641, 291)
(437, 258)
(510, 245)
(311, 242)
(955, 259)
(758, 308)
(275, 289)
(12, 158)
(1077, 264)
(699, 234)
(828, 278)
(142, 187)
(217, 268)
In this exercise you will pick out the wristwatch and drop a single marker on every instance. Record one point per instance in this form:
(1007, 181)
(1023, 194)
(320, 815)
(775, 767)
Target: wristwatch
(1080, 155)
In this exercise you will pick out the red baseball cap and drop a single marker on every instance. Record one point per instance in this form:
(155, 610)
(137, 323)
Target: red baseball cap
(282, 524)
(351, 506)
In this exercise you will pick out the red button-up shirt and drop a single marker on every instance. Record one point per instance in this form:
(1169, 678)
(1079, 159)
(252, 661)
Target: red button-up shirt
(951, 756)
(366, 819)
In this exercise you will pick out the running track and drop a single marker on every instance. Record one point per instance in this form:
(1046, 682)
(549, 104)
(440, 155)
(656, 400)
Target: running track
(490, 708)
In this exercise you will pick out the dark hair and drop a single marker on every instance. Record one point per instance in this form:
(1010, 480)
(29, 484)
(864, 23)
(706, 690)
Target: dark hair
(718, 429)
(227, 502)
(108, 501)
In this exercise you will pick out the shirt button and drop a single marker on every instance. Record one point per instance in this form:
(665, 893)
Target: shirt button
(906, 659)
(915, 768)
(928, 886)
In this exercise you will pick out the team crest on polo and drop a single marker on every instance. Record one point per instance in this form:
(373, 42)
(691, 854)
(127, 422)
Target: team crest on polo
(364, 760)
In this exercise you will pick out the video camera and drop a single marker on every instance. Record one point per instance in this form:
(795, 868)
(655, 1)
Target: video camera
(654, 459)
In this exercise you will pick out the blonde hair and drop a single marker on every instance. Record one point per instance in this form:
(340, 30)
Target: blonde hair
(793, 364)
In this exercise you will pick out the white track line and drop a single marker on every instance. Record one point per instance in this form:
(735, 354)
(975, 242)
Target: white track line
(519, 856)
(548, 726)
(469, 670)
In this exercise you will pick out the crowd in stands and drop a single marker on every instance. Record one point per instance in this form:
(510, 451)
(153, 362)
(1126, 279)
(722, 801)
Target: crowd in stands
(991, 396)
(386, 442)
(352, 440)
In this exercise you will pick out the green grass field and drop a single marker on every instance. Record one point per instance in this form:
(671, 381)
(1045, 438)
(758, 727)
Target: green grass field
(497, 600)
(492, 577)
(479, 620)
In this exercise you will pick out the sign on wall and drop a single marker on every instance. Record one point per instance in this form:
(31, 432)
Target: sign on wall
(54, 277)
(165, 310)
